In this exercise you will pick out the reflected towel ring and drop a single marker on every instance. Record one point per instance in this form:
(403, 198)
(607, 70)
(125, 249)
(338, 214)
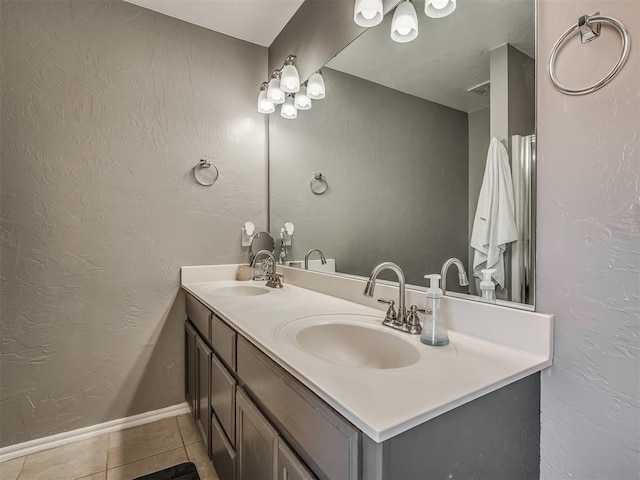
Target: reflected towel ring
(589, 28)
(318, 184)
(205, 173)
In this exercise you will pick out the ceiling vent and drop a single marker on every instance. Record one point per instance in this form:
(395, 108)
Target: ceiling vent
(483, 88)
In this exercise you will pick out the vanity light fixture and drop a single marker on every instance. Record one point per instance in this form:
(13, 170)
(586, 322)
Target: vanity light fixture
(288, 109)
(404, 26)
(264, 105)
(315, 86)
(439, 8)
(284, 88)
(368, 13)
(289, 78)
(302, 100)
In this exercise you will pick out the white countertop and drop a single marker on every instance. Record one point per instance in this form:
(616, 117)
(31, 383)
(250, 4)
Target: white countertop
(381, 403)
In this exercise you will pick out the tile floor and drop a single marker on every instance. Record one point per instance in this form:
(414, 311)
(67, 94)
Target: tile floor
(120, 455)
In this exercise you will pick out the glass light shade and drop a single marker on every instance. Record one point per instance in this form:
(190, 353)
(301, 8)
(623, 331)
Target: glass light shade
(302, 100)
(404, 26)
(368, 13)
(289, 79)
(288, 109)
(439, 8)
(315, 87)
(264, 105)
(274, 93)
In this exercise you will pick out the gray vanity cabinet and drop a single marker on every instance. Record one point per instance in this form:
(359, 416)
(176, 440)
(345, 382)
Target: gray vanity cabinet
(257, 441)
(289, 466)
(259, 422)
(203, 398)
(190, 394)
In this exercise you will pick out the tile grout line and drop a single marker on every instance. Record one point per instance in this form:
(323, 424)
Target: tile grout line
(146, 458)
(21, 467)
(106, 461)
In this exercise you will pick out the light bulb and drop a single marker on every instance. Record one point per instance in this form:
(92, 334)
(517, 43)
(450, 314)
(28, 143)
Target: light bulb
(439, 8)
(289, 79)
(288, 109)
(315, 87)
(264, 105)
(302, 100)
(274, 93)
(368, 13)
(404, 26)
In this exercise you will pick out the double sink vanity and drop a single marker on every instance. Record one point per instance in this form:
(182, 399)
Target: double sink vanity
(304, 382)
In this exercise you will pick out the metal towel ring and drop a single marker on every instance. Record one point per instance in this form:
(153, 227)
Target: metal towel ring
(318, 184)
(203, 166)
(589, 28)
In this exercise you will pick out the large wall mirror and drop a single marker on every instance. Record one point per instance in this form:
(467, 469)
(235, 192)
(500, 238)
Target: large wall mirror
(403, 138)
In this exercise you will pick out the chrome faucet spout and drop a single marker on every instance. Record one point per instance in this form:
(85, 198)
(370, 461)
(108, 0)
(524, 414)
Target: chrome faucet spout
(272, 259)
(306, 257)
(371, 285)
(463, 280)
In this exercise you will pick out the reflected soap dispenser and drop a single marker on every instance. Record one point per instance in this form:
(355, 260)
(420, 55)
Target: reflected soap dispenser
(487, 287)
(434, 332)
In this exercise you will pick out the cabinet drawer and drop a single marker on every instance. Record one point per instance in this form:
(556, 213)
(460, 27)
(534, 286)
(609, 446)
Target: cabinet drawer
(222, 454)
(223, 340)
(327, 443)
(223, 398)
(199, 316)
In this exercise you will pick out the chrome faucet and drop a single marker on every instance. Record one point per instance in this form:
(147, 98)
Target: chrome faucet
(462, 273)
(273, 278)
(306, 257)
(400, 321)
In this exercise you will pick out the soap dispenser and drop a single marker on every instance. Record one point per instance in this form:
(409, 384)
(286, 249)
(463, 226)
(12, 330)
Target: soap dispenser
(487, 287)
(435, 331)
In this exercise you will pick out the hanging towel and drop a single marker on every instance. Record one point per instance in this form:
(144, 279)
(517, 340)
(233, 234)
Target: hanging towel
(494, 225)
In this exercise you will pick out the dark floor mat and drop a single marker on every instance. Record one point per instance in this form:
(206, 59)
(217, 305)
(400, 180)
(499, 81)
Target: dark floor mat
(184, 471)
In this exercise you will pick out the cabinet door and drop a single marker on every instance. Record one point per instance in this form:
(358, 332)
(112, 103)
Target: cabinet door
(256, 441)
(289, 466)
(203, 399)
(190, 367)
(223, 398)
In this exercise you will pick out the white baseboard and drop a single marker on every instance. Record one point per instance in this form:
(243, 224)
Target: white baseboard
(45, 443)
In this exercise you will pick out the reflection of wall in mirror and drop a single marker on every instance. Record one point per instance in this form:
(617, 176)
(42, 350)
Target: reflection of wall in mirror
(397, 168)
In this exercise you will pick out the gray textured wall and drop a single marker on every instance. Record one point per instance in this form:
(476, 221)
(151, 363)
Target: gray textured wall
(105, 108)
(479, 139)
(397, 168)
(589, 249)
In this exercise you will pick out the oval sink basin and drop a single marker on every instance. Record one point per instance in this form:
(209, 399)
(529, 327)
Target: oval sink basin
(350, 343)
(238, 291)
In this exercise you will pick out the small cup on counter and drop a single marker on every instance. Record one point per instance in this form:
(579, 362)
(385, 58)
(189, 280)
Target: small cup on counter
(244, 272)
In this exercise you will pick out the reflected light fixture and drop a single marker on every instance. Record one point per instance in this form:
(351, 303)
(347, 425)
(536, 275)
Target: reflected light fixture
(439, 8)
(289, 78)
(404, 26)
(302, 100)
(288, 109)
(274, 93)
(264, 105)
(368, 13)
(315, 86)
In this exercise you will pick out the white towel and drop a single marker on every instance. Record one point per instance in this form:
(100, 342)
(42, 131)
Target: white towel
(494, 225)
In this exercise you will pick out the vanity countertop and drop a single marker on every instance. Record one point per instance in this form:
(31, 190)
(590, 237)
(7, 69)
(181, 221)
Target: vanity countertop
(380, 402)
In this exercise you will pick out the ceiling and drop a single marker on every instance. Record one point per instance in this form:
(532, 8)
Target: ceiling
(255, 21)
(449, 56)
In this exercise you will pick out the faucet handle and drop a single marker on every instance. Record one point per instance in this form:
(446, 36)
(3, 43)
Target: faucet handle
(274, 280)
(391, 316)
(413, 321)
